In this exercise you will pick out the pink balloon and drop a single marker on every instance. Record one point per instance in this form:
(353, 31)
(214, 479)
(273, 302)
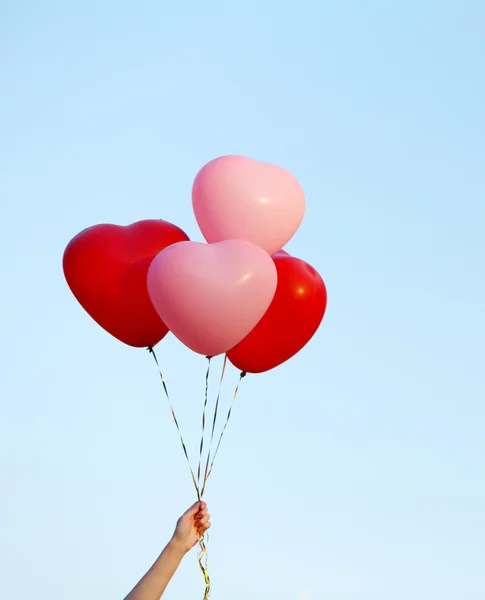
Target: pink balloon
(211, 296)
(240, 198)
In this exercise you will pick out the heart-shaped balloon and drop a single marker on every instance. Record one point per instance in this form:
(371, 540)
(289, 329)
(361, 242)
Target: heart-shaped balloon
(239, 198)
(290, 322)
(211, 295)
(106, 268)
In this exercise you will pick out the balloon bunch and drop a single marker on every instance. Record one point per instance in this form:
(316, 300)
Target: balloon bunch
(239, 294)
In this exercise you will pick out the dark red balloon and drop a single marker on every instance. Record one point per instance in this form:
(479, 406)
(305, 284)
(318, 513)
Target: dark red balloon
(106, 268)
(289, 323)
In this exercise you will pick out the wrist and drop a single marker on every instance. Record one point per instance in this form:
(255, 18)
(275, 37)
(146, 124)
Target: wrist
(177, 547)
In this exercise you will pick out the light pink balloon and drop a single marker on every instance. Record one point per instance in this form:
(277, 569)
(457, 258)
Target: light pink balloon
(212, 295)
(240, 198)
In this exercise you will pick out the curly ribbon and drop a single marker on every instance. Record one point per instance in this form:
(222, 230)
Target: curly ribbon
(202, 557)
(203, 553)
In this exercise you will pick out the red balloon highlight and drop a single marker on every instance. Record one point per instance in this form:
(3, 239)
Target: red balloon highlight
(292, 319)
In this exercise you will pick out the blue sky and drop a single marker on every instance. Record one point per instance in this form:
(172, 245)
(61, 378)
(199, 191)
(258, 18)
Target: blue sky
(354, 472)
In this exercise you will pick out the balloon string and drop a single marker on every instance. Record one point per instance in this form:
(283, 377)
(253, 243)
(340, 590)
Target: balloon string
(202, 558)
(214, 420)
(162, 379)
(203, 419)
(207, 475)
(203, 554)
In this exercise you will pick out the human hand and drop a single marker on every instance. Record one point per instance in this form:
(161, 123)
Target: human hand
(191, 526)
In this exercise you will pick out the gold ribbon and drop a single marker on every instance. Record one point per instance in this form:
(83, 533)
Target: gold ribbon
(203, 554)
(203, 419)
(208, 469)
(162, 379)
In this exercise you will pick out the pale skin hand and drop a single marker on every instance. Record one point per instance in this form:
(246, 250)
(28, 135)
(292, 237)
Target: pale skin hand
(190, 528)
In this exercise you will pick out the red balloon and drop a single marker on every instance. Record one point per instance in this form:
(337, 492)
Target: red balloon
(289, 323)
(106, 268)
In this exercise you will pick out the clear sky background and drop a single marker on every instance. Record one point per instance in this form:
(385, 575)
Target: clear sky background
(354, 472)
